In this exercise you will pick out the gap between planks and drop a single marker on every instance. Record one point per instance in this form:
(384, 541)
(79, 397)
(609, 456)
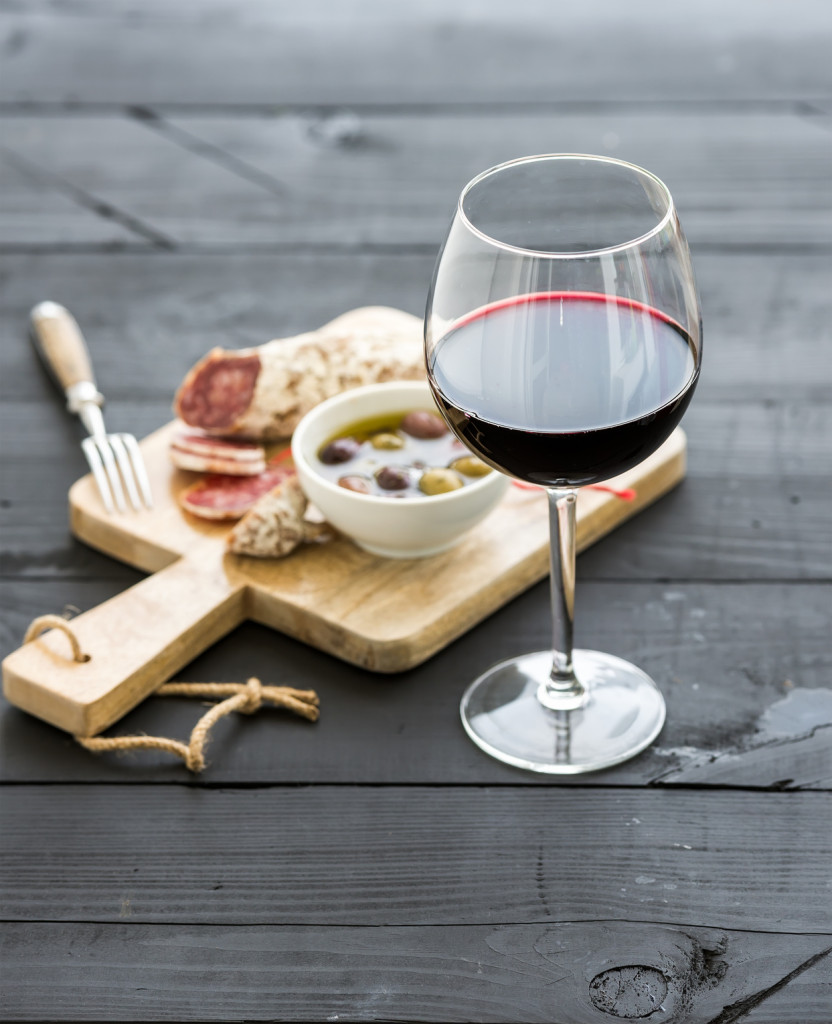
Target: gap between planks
(88, 108)
(543, 922)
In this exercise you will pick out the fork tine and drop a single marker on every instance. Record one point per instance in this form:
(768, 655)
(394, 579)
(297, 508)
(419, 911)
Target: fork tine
(139, 471)
(117, 444)
(106, 454)
(97, 467)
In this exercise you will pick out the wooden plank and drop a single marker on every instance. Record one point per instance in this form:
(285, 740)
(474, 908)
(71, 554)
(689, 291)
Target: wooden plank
(485, 973)
(723, 655)
(37, 471)
(118, 162)
(369, 51)
(148, 319)
(398, 177)
(393, 180)
(804, 996)
(32, 212)
(405, 856)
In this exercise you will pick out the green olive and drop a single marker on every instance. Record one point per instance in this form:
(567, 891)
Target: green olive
(470, 465)
(439, 481)
(387, 441)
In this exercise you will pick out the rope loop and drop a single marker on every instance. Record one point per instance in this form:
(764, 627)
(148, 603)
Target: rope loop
(44, 622)
(246, 697)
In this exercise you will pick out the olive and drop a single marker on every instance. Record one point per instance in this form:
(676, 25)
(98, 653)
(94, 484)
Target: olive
(439, 481)
(360, 484)
(470, 465)
(424, 424)
(387, 441)
(342, 449)
(392, 478)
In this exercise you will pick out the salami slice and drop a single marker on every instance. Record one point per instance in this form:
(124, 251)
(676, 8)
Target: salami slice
(204, 454)
(262, 393)
(230, 497)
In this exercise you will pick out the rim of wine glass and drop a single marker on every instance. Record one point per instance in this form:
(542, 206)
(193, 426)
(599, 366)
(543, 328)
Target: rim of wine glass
(551, 253)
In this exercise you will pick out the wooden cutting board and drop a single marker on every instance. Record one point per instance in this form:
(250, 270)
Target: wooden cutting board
(384, 615)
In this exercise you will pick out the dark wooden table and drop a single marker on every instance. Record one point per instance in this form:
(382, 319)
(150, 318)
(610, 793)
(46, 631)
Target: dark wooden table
(185, 174)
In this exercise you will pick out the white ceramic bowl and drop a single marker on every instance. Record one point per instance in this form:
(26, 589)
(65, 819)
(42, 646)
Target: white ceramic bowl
(402, 528)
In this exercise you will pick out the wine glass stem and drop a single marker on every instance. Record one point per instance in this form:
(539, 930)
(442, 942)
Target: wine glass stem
(562, 691)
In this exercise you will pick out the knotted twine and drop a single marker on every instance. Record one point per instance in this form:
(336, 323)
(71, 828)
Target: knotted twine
(246, 698)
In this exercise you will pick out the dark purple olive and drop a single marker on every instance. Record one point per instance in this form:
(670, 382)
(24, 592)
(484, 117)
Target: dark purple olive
(340, 450)
(424, 424)
(360, 484)
(391, 478)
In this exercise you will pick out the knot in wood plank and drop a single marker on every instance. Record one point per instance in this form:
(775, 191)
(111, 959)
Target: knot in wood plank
(631, 992)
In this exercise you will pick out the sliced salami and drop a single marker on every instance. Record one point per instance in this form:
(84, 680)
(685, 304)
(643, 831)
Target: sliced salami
(203, 454)
(229, 497)
(263, 392)
(206, 444)
(200, 464)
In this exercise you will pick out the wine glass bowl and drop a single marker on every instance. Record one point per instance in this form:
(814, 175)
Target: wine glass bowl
(563, 345)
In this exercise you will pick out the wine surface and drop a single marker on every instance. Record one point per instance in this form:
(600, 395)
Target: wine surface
(564, 389)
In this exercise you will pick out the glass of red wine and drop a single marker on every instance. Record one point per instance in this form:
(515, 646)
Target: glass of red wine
(563, 345)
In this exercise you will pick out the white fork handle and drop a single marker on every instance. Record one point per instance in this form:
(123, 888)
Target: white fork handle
(61, 345)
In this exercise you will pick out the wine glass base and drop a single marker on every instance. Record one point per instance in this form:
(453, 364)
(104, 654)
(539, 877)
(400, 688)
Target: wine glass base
(624, 712)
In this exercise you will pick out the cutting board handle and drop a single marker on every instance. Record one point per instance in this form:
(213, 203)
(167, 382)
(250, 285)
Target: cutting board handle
(135, 642)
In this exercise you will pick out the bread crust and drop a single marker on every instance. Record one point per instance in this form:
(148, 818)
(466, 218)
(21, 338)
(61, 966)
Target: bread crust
(275, 526)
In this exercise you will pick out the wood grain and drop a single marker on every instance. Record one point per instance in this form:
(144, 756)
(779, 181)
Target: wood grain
(278, 181)
(367, 51)
(797, 997)
(718, 189)
(349, 855)
(151, 316)
(34, 212)
(543, 972)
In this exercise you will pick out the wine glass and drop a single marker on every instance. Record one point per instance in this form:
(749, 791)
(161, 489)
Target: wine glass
(563, 345)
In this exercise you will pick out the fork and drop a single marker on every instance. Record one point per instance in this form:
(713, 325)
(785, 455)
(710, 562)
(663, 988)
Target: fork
(113, 458)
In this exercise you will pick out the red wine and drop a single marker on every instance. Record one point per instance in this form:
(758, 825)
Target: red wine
(564, 389)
